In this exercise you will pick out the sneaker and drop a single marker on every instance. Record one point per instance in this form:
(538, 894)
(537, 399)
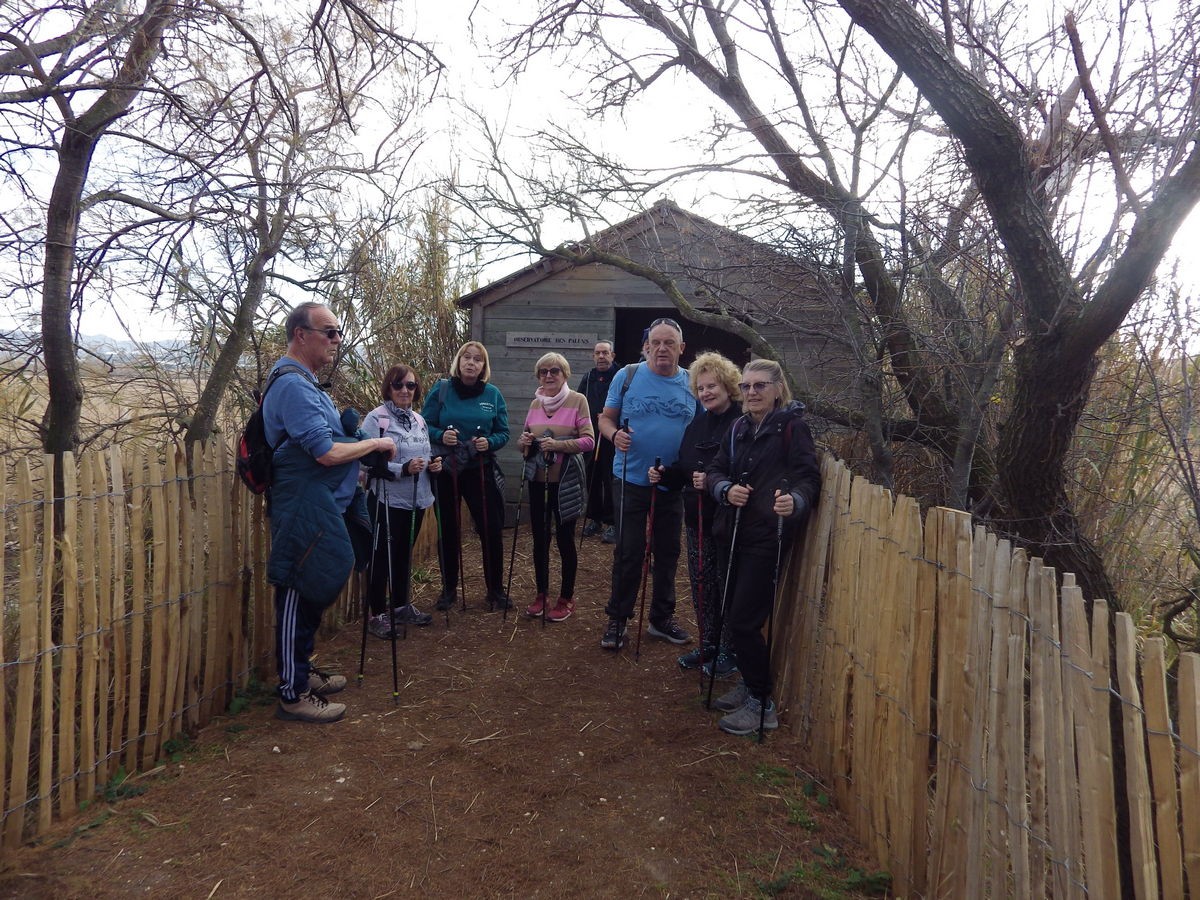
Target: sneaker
(445, 601)
(309, 707)
(325, 683)
(591, 528)
(669, 631)
(747, 718)
(498, 600)
(534, 609)
(561, 611)
(610, 535)
(732, 700)
(381, 627)
(694, 659)
(614, 635)
(725, 664)
(410, 615)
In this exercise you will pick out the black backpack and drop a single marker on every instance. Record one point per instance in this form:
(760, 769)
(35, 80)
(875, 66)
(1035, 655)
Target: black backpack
(255, 453)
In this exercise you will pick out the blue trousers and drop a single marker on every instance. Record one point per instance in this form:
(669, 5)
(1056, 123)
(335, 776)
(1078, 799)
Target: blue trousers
(296, 624)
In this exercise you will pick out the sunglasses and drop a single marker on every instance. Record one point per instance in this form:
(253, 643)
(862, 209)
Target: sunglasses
(404, 385)
(330, 333)
(553, 370)
(668, 322)
(756, 386)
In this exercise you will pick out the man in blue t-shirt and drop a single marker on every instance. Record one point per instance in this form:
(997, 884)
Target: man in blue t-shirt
(657, 405)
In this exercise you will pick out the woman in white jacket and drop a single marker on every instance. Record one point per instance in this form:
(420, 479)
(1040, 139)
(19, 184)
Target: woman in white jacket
(397, 498)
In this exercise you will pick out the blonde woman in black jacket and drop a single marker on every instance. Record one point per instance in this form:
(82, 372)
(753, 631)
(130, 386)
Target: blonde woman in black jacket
(765, 470)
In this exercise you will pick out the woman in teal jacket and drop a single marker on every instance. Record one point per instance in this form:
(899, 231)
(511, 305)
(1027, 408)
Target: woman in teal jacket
(468, 417)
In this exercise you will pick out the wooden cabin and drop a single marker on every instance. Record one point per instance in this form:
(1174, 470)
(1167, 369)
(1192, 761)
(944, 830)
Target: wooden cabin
(553, 304)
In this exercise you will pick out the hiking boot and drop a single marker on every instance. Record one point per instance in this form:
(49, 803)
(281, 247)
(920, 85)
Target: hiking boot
(534, 609)
(732, 700)
(381, 627)
(747, 718)
(694, 659)
(410, 615)
(591, 528)
(614, 635)
(669, 631)
(610, 535)
(497, 599)
(561, 611)
(445, 601)
(725, 663)
(324, 683)
(309, 707)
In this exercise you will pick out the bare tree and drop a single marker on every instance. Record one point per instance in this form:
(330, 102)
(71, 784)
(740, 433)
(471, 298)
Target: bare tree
(160, 135)
(999, 209)
(69, 87)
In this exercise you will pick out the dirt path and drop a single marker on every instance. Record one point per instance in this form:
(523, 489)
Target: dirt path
(518, 762)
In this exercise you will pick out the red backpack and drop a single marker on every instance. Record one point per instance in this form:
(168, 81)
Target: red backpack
(255, 454)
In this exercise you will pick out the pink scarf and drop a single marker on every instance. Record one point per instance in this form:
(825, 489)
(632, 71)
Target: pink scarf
(551, 404)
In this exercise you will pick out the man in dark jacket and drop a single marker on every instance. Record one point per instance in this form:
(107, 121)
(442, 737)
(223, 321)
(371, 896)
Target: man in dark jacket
(313, 491)
(594, 385)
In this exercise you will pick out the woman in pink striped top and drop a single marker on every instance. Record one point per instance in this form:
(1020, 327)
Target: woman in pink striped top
(557, 429)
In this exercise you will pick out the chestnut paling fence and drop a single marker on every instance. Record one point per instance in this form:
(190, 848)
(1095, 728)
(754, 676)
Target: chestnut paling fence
(954, 696)
(141, 621)
(959, 703)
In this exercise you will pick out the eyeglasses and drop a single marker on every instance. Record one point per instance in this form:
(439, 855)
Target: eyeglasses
(671, 323)
(756, 386)
(404, 385)
(328, 332)
(553, 370)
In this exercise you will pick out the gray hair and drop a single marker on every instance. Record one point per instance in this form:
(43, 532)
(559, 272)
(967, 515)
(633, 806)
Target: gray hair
(300, 317)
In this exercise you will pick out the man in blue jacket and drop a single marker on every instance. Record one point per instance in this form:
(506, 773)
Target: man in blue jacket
(313, 491)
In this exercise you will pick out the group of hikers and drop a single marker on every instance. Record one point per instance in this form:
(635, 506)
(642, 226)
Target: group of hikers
(721, 456)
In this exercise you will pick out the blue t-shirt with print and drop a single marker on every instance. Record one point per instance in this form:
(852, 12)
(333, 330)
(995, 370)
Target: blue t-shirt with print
(659, 408)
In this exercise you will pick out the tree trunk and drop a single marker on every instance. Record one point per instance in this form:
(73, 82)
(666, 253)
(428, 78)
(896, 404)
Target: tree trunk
(200, 428)
(60, 425)
(1050, 392)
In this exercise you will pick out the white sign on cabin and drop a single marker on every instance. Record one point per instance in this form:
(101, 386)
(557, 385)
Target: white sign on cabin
(550, 339)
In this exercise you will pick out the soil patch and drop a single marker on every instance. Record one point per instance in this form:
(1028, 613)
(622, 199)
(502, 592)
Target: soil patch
(516, 761)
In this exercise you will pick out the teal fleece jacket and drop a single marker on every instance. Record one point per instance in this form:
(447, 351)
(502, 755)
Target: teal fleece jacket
(486, 414)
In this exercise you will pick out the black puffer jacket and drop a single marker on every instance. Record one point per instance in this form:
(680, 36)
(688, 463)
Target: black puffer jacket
(701, 440)
(781, 448)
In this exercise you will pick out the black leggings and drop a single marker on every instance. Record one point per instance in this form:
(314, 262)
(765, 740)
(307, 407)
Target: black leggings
(394, 529)
(564, 533)
(485, 503)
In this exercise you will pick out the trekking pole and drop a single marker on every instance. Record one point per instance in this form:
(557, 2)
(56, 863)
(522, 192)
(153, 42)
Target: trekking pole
(391, 622)
(624, 465)
(462, 573)
(483, 536)
(376, 529)
(437, 518)
(700, 587)
(412, 539)
(548, 459)
(380, 506)
(591, 487)
(762, 715)
(637, 651)
(512, 555)
(720, 623)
